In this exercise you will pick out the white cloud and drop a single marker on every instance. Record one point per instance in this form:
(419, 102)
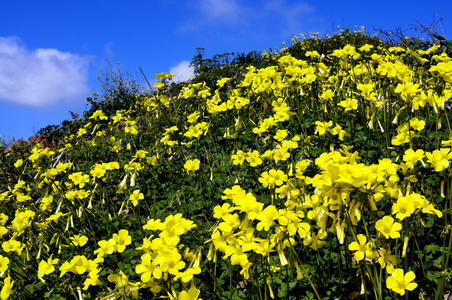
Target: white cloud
(251, 19)
(292, 18)
(202, 13)
(42, 77)
(183, 71)
(220, 10)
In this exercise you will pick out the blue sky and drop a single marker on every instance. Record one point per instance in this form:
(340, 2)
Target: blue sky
(52, 51)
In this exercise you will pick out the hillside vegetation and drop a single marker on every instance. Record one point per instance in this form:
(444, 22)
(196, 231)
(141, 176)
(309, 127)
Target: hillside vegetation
(319, 171)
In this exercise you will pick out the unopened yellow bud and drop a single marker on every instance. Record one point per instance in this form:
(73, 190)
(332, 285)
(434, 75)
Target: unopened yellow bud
(299, 275)
(270, 288)
(282, 257)
(123, 182)
(132, 180)
(405, 245)
(372, 204)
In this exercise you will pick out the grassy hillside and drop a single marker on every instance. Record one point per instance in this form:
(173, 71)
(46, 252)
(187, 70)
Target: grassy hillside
(318, 171)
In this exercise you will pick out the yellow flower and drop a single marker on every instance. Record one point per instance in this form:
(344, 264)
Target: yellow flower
(187, 275)
(56, 217)
(195, 131)
(92, 279)
(79, 264)
(138, 154)
(272, 178)
(388, 227)
(152, 160)
(105, 247)
(81, 132)
(411, 157)
(3, 219)
(120, 280)
(238, 158)
(4, 262)
(3, 196)
(46, 202)
(220, 211)
(362, 248)
(365, 48)
(163, 76)
(407, 90)
(169, 261)
(337, 130)
(46, 267)
(173, 227)
(21, 197)
(79, 179)
(439, 159)
(11, 245)
(323, 127)
(237, 255)
(281, 134)
(387, 260)
(122, 239)
(403, 208)
(192, 165)
(279, 154)
(247, 203)
(300, 167)
(191, 294)
(315, 241)
(420, 100)
(266, 180)
(7, 288)
(417, 124)
(367, 91)
(221, 82)
(192, 118)
(21, 220)
(18, 163)
(447, 143)
(79, 240)
(399, 282)
(312, 54)
(253, 158)
(98, 115)
(146, 267)
(349, 104)
(229, 224)
(267, 218)
(98, 171)
(135, 197)
(153, 225)
(326, 95)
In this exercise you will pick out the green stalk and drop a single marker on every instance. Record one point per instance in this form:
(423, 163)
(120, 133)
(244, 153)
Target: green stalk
(419, 250)
(363, 281)
(305, 274)
(379, 282)
(377, 278)
(440, 287)
(372, 279)
(230, 282)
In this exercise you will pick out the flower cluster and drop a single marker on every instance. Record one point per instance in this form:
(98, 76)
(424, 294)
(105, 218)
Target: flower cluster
(314, 166)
